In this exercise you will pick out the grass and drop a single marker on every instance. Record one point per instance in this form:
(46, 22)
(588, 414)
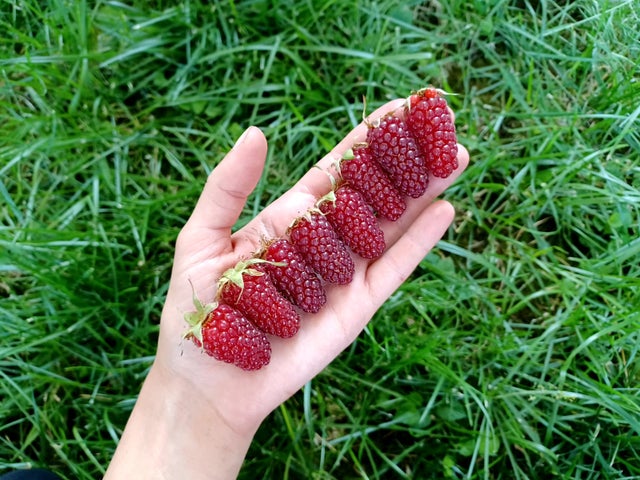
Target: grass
(512, 352)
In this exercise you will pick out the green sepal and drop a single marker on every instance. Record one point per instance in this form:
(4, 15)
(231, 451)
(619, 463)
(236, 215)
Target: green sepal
(235, 275)
(195, 319)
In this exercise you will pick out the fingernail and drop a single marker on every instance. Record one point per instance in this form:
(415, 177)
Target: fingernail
(242, 137)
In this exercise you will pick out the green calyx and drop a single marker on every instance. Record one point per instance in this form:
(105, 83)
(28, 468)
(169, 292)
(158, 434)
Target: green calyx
(328, 197)
(235, 275)
(348, 155)
(195, 319)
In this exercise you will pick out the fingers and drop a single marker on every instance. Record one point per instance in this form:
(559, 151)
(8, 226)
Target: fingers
(387, 273)
(230, 183)
(235, 178)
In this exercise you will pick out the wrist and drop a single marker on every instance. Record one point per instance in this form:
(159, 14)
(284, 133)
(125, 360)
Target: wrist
(174, 433)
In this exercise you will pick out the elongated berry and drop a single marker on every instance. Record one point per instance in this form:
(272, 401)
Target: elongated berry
(395, 149)
(362, 172)
(319, 244)
(293, 276)
(354, 221)
(248, 288)
(431, 124)
(226, 335)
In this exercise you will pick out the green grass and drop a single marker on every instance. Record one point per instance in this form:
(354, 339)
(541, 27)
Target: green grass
(512, 352)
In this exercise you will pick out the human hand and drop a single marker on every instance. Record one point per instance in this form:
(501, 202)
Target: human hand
(206, 248)
(217, 406)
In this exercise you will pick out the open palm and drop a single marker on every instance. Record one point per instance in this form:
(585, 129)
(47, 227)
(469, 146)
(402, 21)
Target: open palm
(206, 247)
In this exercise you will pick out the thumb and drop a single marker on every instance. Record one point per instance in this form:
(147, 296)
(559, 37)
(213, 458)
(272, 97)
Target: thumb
(229, 184)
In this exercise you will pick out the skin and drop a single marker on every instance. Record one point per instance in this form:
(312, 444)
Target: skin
(195, 417)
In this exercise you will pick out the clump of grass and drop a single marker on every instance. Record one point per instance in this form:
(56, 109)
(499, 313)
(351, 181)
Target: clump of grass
(512, 350)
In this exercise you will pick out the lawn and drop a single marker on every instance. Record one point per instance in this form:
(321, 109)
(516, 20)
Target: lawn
(511, 352)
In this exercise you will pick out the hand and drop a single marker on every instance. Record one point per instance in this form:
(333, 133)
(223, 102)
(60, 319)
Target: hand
(205, 248)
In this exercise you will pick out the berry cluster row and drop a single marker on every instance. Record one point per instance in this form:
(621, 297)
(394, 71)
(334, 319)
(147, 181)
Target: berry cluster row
(261, 296)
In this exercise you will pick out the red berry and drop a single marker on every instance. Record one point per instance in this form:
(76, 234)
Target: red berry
(223, 333)
(363, 173)
(248, 288)
(319, 244)
(293, 276)
(431, 123)
(354, 221)
(395, 149)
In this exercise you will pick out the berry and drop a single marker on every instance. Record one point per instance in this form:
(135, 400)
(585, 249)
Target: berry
(395, 149)
(354, 221)
(248, 288)
(293, 276)
(226, 335)
(362, 172)
(432, 125)
(319, 244)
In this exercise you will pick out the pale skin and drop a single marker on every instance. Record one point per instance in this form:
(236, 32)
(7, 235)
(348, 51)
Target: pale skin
(195, 417)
